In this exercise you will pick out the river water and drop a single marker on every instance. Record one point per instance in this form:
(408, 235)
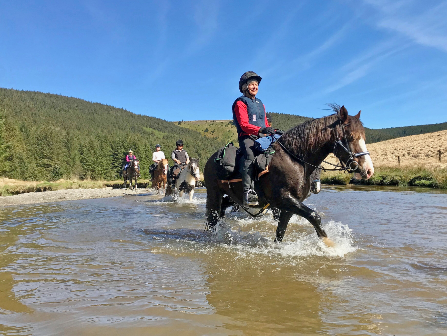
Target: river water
(136, 265)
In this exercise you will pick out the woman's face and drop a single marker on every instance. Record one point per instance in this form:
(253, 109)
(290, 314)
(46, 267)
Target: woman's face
(252, 88)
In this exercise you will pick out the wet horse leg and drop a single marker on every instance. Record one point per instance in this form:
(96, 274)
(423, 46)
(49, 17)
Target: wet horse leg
(283, 220)
(213, 207)
(290, 204)
(226, 202)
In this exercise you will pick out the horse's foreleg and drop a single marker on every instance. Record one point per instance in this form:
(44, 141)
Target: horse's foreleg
(226, 202)
(283, 220)
(291, 204)
(213, 207)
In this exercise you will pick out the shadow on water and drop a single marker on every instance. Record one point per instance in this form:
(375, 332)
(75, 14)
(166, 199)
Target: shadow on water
(187, 235)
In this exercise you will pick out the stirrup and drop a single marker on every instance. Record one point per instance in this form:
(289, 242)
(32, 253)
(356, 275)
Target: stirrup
(250, 198)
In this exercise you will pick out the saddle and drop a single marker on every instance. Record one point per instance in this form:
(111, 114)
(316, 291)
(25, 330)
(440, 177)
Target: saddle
(230, 161)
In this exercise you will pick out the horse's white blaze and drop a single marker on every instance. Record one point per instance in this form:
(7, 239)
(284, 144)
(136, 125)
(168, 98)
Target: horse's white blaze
(365, 160)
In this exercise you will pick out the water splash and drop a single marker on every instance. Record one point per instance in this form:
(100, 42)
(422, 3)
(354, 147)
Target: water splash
(182, 200)
(297, 244)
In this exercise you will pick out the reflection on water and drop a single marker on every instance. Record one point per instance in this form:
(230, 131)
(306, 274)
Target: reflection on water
(139, 265)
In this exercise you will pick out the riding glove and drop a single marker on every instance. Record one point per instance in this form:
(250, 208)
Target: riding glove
(266, 130)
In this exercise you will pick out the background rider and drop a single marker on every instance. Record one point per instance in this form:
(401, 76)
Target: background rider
(157, 156)
(129, 157)
(180, 158)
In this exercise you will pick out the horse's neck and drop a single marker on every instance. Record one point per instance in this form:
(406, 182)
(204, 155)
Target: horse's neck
(319, 151)
(318, 157)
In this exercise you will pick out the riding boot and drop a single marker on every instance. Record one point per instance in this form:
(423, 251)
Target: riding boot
(249, 196)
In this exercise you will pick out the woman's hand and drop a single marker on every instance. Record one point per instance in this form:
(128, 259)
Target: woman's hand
(266, 130)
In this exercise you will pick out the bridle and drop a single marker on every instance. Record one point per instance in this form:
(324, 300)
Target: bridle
(350, 166)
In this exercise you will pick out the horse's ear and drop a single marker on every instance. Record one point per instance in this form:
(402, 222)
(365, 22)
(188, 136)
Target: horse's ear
(358, 115)
(343, 114)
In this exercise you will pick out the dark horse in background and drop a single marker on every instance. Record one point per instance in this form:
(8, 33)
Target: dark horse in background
(298, 153)
(131, 173)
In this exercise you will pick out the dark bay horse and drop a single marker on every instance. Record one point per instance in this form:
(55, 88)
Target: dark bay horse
(131, 173)
(298, 153)
(160, 175)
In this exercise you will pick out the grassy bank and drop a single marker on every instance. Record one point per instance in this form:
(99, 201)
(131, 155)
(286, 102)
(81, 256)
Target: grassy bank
(386, 176)
(14, 187)
(394, 176)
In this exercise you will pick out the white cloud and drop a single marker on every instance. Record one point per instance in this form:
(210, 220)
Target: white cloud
(425, 26)
(364, 63)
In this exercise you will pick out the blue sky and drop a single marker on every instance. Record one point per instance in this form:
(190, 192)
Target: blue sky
(181, 60)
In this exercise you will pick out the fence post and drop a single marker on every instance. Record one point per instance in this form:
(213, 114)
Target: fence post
(398, 159)
(440, 155)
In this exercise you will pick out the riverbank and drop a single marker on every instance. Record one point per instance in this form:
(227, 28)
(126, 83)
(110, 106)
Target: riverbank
(431, 177)
(10, 187)
(14, 192)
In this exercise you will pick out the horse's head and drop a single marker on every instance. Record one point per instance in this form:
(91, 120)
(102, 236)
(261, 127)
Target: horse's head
(350, 145)
(164, 164)
(194, 168)
(135, 164)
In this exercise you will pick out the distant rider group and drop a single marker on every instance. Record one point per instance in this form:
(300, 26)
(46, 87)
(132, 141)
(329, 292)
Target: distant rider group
(178, 155)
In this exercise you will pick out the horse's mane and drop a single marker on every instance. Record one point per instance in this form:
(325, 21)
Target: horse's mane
(312, 134)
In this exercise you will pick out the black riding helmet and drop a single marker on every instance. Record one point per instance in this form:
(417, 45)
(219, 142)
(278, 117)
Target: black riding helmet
(158, 146)
(245, 78)
(179, 143)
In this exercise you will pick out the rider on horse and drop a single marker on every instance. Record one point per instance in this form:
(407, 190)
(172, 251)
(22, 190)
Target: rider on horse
(180, 158)
(128, 159)
(252, 122)
(157, 156)
(249, 116)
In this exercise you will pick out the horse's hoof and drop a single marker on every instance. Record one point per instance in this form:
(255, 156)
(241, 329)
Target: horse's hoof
(328, 242)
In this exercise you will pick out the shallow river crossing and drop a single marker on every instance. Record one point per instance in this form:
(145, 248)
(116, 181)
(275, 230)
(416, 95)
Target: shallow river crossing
(137, 265)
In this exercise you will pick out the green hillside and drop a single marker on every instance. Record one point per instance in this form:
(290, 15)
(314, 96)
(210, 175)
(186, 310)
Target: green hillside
(47, 137)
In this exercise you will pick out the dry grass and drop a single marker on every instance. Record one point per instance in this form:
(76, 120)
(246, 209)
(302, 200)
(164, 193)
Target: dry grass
(418, 165)
(415, 151)
(412, 151)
